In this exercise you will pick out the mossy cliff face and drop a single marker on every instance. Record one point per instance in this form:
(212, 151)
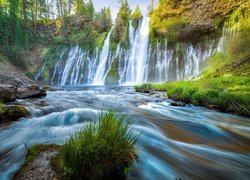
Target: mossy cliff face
(186, 20)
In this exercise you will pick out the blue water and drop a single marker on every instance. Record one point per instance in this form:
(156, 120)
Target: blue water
(174, 142)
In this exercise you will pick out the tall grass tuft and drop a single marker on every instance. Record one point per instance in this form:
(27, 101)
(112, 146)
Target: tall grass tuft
(102, 150)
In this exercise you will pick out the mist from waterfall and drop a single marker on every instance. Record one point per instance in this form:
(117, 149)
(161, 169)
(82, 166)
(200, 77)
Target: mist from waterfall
(141, 62)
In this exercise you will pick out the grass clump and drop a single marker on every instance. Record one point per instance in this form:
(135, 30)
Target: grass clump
(226, 93)
(101, 151)
(144, 88)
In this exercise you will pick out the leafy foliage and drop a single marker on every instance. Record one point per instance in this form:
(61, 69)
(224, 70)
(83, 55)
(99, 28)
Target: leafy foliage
(136, 16)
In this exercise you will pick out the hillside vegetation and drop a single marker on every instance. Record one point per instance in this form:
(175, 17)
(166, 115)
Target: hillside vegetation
(187, 20)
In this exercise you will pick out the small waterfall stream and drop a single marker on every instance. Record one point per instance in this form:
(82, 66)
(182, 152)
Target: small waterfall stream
(99, 76)
(141, 62)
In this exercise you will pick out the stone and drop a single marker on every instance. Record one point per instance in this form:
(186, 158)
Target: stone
(12, 113)
(177, 103)
(33, 91)
(8, 93)
(38, 165)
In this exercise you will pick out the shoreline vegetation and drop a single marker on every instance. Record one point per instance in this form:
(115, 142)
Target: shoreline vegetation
(102, 150)
(227, 93)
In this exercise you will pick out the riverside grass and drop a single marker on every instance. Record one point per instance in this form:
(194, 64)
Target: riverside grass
(226, 93)
(101, 151)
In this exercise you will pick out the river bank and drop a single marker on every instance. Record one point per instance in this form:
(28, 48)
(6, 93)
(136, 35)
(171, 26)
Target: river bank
(227, 94)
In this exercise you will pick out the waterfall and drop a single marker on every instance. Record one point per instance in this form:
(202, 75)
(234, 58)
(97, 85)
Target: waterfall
(99, 76)
(139, 63)
(40, 72)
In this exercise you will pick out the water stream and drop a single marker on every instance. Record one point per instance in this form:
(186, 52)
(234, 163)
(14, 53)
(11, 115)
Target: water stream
(175, 142)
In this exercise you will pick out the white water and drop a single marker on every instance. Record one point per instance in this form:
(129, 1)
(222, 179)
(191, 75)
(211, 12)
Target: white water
(141, 62)
(137, 61)
(99, 76)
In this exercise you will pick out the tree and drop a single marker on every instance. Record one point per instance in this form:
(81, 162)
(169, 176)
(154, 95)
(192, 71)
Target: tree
(79, 7)
(104, 18)
(122, 21)
(90, 11)
(136, 16)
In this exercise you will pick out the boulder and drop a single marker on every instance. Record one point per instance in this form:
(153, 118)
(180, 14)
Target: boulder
(12, 113)
(7, 93)
(177, 103)
(39, 163)
(32, 91)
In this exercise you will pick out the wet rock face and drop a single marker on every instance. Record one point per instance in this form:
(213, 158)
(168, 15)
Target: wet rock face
(37, 165)
(195, 30)
(7, 93)
(12, 113)
(14, 84)
(33, 91)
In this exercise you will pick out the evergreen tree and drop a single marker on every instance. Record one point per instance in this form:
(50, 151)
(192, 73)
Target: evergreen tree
(104, 18)
(122, 22)
(79, 7)
(90, 11)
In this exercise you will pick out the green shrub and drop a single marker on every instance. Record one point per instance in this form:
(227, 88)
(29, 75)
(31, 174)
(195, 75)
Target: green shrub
(44, 53)
(101, 151)
(145, 88)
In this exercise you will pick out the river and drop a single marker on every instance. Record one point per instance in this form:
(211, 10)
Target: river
(173, 142)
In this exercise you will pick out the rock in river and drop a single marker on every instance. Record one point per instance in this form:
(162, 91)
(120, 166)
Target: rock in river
(7, 93)
(12, 113)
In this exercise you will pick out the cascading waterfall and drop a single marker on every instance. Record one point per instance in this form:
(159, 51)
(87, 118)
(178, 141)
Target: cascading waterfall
(137, 61)
(99, 76)
(141, 62)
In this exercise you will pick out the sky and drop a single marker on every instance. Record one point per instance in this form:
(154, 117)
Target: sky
(114, 5)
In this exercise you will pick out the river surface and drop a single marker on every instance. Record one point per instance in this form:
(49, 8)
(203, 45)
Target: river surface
(174, 142)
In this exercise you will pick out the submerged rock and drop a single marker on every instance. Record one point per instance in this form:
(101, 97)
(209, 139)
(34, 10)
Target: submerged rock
(177, 103)
(12, 113)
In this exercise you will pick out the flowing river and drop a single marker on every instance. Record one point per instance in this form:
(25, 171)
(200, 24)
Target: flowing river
(173, 142)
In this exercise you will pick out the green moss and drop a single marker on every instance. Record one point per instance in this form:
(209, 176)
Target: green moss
(100, 40)
(32, 154)
(113, 45)
(44, 53)
(168, 28)
(1, 108)
(113, 76)
(34, 151)
(30, 75)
